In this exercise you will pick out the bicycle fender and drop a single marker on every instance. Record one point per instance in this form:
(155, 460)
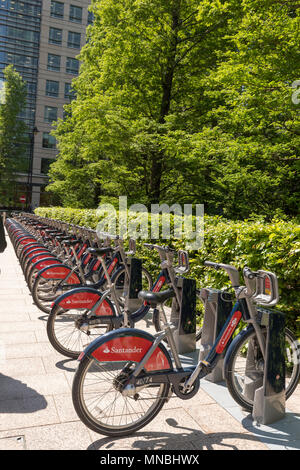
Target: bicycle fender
(59, 271)
(26, 240)
(86, 298)
(231, 347)
(45, 262)
(34, 258)
(129, 344)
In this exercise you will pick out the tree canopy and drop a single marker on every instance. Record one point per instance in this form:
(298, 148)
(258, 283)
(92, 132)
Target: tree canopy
(185, 101)
(12, 129)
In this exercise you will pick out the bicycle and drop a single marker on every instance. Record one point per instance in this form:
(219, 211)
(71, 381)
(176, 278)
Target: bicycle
(71, 329)
(124, 377)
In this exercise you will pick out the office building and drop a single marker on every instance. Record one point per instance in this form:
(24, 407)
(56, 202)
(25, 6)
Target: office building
(42, 38)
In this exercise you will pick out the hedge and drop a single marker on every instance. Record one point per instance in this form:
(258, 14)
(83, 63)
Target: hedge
(271, 246)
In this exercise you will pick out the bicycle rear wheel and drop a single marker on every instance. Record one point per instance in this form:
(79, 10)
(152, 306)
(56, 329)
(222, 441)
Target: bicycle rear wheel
(100, 404)
(246, 365)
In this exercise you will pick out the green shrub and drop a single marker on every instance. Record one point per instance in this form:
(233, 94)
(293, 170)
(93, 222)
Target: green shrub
(271, 246)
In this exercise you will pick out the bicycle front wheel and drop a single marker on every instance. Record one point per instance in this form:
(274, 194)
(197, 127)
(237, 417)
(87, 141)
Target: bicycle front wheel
(66, 333)
(100, 404)
(245, 369)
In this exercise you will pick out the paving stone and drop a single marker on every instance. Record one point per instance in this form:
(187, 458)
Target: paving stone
(213, 418)
(6, 327)
(32, 385)
(12, 443)
(13, 317)
(64, 436)
(65, 408)
(170, 430)
(27, 350)
(33, 411)
(17, 337)
(21, 367)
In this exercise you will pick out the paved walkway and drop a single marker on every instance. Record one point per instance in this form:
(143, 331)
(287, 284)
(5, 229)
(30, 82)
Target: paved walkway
(36, 410)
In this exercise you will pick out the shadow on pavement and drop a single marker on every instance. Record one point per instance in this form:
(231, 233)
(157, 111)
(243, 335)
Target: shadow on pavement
(17, 397)
(62, 365)
(195, 439)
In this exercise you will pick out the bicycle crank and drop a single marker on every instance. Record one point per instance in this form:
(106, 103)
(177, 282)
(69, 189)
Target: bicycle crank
(186, 393)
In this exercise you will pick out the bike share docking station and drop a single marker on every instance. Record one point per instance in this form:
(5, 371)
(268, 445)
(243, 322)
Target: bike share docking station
(132, 281)
(217, 307)
(264, 382)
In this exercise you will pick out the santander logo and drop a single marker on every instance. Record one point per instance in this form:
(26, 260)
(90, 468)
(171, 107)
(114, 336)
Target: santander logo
(115, 350)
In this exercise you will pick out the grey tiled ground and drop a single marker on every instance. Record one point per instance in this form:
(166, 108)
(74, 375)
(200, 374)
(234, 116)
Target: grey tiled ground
(36, 410)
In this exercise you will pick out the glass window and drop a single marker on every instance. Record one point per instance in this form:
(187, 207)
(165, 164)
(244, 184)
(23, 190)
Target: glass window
(50, 114)
(53, 62)
(74, 40)
(52, 88)
(69, 92)
(49, 142)
(90, 18)
(21, 7)
(57, 9)
(22, 34)
(21, 60)
(55, 36)
(75, 14)
(45, 164)
(72, 66)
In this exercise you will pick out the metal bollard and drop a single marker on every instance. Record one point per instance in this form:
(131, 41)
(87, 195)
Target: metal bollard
(217, 307)
(134, 286)
(185, 317)
(269, 398)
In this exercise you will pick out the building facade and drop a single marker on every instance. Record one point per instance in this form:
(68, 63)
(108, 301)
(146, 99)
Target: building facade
(42, 39)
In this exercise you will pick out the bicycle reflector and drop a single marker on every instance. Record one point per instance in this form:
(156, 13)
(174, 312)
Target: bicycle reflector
(183, 262)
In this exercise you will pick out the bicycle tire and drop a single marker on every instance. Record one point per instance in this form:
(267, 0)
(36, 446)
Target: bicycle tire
(52, 322)
(103, 428)
(36, 293)
(232, 381)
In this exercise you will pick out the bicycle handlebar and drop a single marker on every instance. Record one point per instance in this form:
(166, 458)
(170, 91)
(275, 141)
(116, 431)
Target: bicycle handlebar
(231, 271)
(165, 248)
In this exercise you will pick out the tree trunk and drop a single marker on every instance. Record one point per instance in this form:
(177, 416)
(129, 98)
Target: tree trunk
(167, 83)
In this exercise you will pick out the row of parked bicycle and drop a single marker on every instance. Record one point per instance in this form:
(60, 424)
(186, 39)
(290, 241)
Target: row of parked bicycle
(94, 292)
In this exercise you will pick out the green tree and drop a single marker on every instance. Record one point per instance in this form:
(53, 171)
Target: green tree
(140, 66)
(12, 131)
(185, 101)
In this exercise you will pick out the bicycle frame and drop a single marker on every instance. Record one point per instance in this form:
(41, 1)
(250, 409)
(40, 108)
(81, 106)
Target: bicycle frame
(185, 380)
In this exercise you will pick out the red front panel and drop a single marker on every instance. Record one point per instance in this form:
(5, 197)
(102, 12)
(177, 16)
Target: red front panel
(96, 266)
(104, 309)
(228, 332)
(131, 348)
(87, 259)
(82, 251)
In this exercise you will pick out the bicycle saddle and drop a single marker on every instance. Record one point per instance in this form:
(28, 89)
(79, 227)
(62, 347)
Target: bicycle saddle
(61, 237)
(71, 242)
(100, 251)
(154, 298)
